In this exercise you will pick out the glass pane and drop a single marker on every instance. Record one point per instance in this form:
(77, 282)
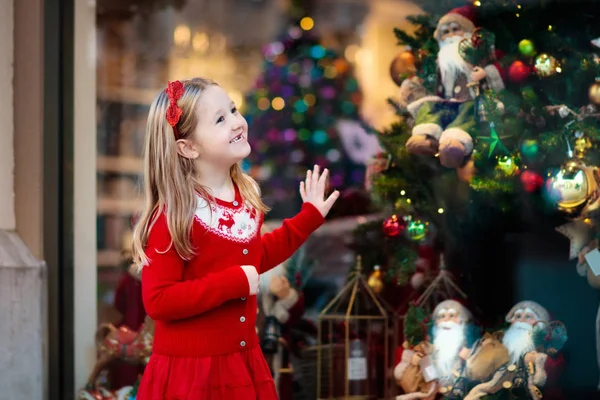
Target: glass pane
(142, 45)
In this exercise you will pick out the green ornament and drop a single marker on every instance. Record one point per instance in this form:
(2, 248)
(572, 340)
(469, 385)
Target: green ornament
(529, 94)
(417, 230)
(526, 47)
(530, 148)
(494, 140)
(509, 165)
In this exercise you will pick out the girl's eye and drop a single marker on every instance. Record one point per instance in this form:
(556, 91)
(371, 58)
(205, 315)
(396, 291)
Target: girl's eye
(221, 119)
(234, 110)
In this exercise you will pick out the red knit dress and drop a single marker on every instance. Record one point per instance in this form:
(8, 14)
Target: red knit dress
(205, 343)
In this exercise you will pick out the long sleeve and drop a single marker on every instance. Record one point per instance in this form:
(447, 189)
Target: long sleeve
(494, 76)
(167, 296)
(280, 244)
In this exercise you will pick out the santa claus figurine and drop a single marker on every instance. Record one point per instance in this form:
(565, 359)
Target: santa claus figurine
(445, 121)
(280, 307)
(529, 369)
(430, 370)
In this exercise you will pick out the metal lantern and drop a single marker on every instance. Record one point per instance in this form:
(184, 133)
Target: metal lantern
(356, 332)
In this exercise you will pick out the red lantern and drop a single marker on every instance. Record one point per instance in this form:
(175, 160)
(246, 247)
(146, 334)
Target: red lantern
(394, 226)
(518, 72)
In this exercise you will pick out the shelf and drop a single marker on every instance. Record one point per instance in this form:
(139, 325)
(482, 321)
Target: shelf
(109, 258)
(127, 95)
(125, 207)
(119, 164)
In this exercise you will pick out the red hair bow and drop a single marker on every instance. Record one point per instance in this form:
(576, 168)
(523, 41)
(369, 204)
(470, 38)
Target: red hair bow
(174, 91)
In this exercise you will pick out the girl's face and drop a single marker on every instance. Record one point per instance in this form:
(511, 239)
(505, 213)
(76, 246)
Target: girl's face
(221, 136)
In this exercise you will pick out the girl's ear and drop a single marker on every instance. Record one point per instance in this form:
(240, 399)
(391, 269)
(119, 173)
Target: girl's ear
(187, 149)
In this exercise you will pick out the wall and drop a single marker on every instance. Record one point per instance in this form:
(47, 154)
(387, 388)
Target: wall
(7, 205)
(23, 296)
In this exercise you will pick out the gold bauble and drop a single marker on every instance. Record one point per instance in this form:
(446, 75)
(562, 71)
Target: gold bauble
(573, 185)
(546, 65)
(582, 145)
(594, 94)
(402, 66)
(375, 280)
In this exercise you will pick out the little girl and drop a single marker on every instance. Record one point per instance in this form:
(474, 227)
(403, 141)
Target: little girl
(198, 247)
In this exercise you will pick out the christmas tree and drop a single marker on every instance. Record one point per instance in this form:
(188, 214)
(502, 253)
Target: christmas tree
(497, 132)
(304, 111)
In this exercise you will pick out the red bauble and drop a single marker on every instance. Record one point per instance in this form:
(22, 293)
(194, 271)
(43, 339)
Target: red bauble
(394, 226)
(531, 181)
(518, 72)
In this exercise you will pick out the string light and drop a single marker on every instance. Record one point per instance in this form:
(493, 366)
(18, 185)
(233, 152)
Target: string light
(278, 103)
(263, 103)
(310, 99)
(402, 192)
(477, 3)
(440, 210)
(182, 35)
(307, 23)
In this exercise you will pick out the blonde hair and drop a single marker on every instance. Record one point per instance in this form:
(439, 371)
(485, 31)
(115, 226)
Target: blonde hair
(170, 183)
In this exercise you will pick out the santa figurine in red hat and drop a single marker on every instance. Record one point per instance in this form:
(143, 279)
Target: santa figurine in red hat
(434, 131)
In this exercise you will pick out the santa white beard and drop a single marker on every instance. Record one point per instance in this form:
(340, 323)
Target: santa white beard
(518, 340)
(451, 64)
(448, 340)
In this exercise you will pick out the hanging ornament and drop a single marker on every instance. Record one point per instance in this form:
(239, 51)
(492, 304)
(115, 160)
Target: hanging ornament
(546, 66)
(518, 72)
(494, 140)
(526, 47)
(417, 230)
(394, 226)
(582, 144)
(402, 67)
(530, 148)
(375, 280)
(594, 93)
(508, 165)
(572, 186)
(531, 181)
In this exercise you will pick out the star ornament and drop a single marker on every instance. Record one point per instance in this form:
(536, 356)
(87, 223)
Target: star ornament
(494, 140)
(579, 233)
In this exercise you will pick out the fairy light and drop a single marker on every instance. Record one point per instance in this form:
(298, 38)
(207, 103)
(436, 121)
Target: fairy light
(440, 210)
(402, 192)
(550, 28)
(408, 201)
(278, 103)
(477, 3)
(307, 23)
(263, 103)
(182, 35)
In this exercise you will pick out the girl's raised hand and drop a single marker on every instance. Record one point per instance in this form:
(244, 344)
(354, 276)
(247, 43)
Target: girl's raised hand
(313, 189)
